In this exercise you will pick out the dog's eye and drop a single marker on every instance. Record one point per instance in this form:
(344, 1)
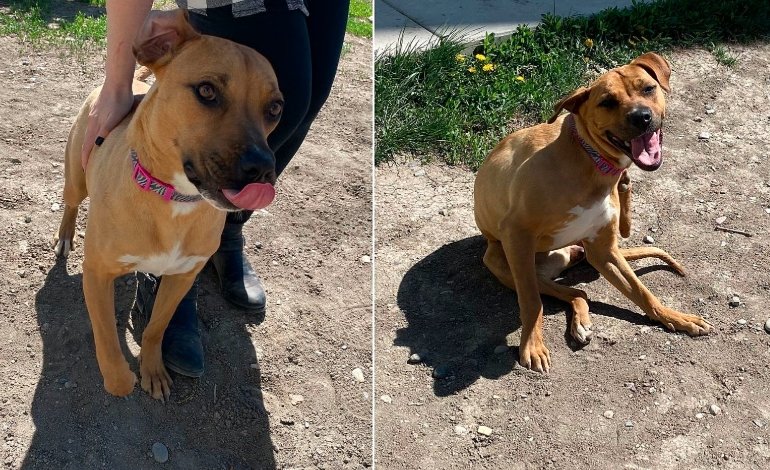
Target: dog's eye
(275, 109)
(206, 92)
(608, 102)
(649, 89)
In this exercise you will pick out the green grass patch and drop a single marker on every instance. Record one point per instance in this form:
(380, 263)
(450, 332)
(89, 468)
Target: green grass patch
(35, 21)
(441, 103)
(359, 18)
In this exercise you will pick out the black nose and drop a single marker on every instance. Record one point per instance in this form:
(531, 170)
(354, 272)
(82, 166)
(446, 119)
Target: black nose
(257, 165)
(640, 117)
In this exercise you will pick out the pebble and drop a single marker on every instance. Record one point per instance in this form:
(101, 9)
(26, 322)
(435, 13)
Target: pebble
(441, 372)
(461, 430)
(704, 135)
(629, 424)
(443, 212)
(387, 399)
(501, 348)
(644, 329)
(358, 374)
(419, 172)
(767, 325)
(609, 414)
(296, 399)
(55, 207)
(258, 245)
(414, 359)
(159, 452)
(648, 239)
(720, 220)
(699, 415)
(715, 410)
(484, 431)
(735, 301)
(710, 111)
(69, 384)
(27, 219)
(741, 321)
(366, 259)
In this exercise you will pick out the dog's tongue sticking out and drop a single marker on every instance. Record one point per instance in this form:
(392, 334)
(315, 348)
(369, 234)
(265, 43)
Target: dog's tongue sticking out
(252, 197)
(646, 151)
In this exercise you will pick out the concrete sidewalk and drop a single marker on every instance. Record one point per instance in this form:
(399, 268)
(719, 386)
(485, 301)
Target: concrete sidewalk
(423, 21)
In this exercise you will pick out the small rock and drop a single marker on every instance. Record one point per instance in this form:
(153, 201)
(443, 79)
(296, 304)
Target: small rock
(258, 245)
(644, 329)
(642, 357)
(286, 421)
(419, 172)
(652, 390)
(704, 135)
(414, 359)
(441, 372)
(484, 431)
(27, 219)
(758, 423)
(387, 399)
(55, 207)
(159, 452)
(697, 119)
(629, 424)
(741, 321)
(699, 415)
(296, 399)
(720, 220)
(501, 348)
(358, 374)
(767, 325)
(609, 414)
(710, 110)
(715, 410)
(461, 430)
(648, 239)
(69, 384)
(735, 301)
(366, 259)
(443, 212)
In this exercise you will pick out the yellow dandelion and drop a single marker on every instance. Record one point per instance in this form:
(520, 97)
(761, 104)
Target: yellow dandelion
(589, 43)
(488, 67)
(519, 78)
(460, 58)
(481, 57)
(472, 69)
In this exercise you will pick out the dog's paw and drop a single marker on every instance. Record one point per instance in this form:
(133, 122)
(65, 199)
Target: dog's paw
(534, 355)
(121, 383)
(155, 380)
(693, 325)
(62, 247)
(582, 333)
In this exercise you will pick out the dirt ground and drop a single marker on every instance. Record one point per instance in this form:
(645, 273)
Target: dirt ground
(54, 412)
(637, 397)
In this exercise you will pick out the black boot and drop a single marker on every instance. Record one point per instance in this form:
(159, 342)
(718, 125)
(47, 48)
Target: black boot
(182, 347)
(240, 284)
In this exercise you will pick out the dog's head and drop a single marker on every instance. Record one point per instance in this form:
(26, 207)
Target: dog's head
(213, 104)
(623, 110)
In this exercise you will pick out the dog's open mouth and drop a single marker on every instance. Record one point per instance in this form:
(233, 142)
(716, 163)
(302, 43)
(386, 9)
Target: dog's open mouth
(645, 151)
(252, 197)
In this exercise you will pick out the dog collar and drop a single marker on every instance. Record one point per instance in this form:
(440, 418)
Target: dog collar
(604, 166)
(147, 182)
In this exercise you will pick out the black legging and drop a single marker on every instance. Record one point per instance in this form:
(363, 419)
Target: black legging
(304, 52)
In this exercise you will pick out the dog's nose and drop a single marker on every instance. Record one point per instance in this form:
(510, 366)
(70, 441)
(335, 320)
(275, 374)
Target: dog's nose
(640, 117)
(257, 164)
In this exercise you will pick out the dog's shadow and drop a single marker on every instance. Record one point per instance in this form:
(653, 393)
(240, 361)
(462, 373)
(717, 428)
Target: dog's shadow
(218, 421)
(458, 313)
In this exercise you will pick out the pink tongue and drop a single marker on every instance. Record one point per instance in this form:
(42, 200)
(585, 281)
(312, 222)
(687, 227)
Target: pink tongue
(252, 197)
(646, 150)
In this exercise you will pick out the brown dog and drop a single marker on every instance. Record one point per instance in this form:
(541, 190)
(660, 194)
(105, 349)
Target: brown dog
(161, 182)
(546, 188)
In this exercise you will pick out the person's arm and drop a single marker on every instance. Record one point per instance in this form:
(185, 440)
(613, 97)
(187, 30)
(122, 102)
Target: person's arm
(124, 19)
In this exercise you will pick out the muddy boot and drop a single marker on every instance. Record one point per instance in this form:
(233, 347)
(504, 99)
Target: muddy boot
(182, 347)
(240, 284)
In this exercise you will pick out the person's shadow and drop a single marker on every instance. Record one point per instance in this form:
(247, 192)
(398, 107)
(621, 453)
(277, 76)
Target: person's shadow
(218, 421)
(458, 313)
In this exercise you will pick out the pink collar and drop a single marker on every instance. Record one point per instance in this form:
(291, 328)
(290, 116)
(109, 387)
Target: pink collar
(147, 182)
(601, 163)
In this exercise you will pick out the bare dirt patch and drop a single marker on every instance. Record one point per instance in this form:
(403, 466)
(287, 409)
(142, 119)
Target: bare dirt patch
(54, 412)
(637, 396)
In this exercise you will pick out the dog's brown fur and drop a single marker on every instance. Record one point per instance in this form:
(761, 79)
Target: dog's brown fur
(130, 229)
(537, 181)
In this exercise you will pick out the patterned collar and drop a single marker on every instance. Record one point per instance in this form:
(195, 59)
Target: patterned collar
(147, 182)
(601, 163)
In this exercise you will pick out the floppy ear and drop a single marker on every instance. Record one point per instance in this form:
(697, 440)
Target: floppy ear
(656, 66)
(160, 37)
(571, 103)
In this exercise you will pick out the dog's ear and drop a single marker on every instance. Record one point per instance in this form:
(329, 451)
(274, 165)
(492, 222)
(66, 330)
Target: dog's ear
(656, 66)
(161, 35)
(571, 103)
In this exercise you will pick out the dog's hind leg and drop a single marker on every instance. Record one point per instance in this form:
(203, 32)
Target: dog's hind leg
(624, 194)
(495, 261)
(631, 254)
(74, 193)
(580, 324)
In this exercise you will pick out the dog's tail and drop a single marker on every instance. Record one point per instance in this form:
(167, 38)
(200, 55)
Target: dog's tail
(142, 74)
(631, 254)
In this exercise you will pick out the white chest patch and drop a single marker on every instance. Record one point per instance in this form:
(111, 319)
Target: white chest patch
(172, 262)
(182, 185)
(585, 223)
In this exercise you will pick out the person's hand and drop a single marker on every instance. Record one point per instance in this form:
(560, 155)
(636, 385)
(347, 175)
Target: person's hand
(109, 108)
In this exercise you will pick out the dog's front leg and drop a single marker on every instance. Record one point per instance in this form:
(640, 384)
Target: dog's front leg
(155, 378)
(604, 255)
(520, 252)
(99, 291)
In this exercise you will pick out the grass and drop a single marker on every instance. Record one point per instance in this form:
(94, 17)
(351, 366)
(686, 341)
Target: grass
(359, 22)
(441, 103)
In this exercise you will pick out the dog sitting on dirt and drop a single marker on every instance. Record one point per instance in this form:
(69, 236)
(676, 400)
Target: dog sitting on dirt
(161, 182)
(550, 194)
